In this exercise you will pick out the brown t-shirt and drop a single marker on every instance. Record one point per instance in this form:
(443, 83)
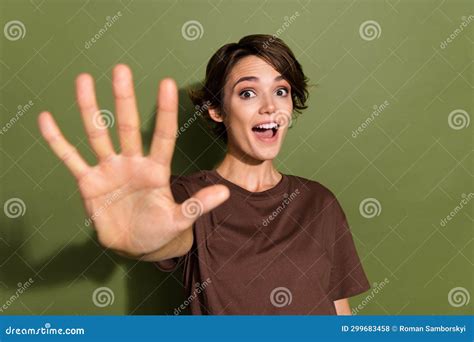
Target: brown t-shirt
(287, 250)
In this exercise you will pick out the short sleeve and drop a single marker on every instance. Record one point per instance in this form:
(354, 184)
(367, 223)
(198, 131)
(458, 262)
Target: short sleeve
(180, 194)
(178, 189)
(347, 277)
(168, 265)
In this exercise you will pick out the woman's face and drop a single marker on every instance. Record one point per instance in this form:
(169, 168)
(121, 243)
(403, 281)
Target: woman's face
(256, 93)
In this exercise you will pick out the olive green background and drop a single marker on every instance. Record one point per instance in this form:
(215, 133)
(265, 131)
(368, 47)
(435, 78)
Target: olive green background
(414, 161)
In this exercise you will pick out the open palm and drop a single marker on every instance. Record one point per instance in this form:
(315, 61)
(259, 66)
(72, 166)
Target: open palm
(128, 196)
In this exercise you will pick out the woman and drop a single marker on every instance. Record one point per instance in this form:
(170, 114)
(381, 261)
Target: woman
(252, 240)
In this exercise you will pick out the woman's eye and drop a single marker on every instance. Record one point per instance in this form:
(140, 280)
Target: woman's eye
(247, 94)
(282, 92)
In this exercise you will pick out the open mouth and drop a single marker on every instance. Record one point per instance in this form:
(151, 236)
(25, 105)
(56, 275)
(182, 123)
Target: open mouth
(266, 131)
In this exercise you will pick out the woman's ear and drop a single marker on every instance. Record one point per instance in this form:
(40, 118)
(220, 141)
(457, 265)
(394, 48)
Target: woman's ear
(214, 114)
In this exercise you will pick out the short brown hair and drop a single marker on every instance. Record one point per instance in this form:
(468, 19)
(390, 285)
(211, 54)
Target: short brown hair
(267, 47)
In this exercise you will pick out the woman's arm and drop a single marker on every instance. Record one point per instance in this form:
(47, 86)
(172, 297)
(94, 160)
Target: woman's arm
(342, 306)
(179, 246)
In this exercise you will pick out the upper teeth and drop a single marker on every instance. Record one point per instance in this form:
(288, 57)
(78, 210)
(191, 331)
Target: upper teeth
(270, 125)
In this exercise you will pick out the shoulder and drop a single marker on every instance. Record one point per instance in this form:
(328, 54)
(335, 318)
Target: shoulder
(191, 182)
(191, 178)
(184, 186)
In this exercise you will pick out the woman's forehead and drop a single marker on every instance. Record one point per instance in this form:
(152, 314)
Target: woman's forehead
(252, 66)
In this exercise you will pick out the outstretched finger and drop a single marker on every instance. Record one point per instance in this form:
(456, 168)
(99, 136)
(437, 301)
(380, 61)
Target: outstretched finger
(201, 203)
(95, 124)
(128, 120)
(166, 126)
(60, 146)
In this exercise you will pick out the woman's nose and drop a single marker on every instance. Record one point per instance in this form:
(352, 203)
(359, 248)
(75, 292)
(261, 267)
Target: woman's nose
(268, 106)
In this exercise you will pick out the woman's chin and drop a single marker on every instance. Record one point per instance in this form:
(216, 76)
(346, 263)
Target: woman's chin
(265, 154)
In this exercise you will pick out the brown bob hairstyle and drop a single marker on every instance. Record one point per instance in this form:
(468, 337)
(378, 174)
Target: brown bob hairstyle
(267, 47)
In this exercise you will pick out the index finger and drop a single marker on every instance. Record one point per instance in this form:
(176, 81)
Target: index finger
(164, 136)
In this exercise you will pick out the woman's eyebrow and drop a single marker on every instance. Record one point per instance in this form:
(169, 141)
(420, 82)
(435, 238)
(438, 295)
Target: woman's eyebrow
(254, 78)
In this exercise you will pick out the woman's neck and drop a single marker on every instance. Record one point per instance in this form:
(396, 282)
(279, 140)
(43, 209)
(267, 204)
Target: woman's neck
(255, 177)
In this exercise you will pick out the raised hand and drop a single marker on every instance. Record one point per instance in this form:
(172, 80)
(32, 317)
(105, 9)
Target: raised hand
(128, 195)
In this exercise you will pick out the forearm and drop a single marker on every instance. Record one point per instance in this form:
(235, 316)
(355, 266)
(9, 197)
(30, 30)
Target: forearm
(179, 246)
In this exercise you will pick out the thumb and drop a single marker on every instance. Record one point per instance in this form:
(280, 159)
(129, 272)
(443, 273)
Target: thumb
(201, 203)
